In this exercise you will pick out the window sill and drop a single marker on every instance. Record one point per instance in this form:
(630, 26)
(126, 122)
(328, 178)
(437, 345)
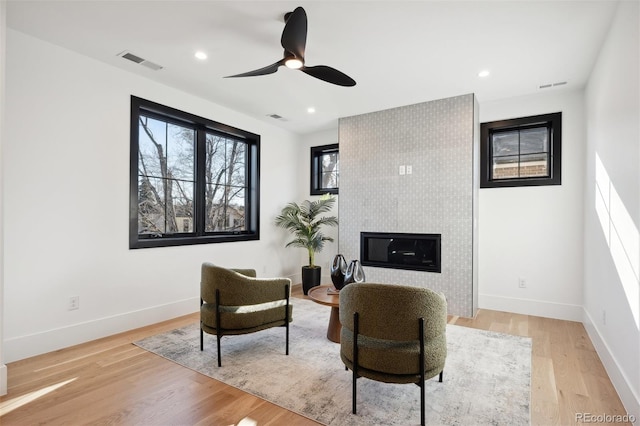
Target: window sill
(186, 241)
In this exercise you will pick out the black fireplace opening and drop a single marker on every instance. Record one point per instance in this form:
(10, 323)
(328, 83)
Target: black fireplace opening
(418, 252)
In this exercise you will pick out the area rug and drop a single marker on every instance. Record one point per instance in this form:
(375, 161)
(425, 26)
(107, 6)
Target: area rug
(486, 378)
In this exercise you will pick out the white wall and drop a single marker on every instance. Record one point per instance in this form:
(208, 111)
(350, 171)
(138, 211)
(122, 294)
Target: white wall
(612, 206)
(66, 193)
(3, 32)
(536, 232)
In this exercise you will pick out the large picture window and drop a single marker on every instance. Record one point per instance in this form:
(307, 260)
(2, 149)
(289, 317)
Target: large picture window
(192, 180)
(325, 169)
(521, 152)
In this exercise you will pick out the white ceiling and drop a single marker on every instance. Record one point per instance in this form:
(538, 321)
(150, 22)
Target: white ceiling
(399, 52)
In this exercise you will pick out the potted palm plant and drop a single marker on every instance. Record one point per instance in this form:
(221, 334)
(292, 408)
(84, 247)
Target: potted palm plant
(305, 223)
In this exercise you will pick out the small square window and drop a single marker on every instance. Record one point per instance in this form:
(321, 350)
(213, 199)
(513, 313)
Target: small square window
(325, 169)
(521, 152)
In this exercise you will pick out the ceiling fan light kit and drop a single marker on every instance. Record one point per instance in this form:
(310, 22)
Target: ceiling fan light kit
(294, 40)
(293, 63)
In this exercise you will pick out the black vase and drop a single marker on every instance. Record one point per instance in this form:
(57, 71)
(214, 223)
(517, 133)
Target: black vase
(310, 278)
(338, 271)
(355, 273)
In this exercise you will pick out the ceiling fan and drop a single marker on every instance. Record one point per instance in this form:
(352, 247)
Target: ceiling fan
(294, 40)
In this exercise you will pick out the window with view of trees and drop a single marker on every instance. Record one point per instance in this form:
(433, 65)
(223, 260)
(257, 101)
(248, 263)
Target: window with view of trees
(521, 152)
(325, 166)
(192, 180)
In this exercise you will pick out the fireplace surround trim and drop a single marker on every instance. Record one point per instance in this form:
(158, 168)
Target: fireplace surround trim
(410, 260)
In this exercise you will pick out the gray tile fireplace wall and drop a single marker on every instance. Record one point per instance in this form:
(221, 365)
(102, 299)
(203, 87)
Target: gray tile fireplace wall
(414, 169)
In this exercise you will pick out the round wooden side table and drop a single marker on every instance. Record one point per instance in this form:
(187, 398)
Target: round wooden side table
(319, 295)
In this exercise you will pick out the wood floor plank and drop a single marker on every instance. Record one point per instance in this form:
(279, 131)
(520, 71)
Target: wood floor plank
(226, 407)
(545, 414)
(110, 381)
(543, 381)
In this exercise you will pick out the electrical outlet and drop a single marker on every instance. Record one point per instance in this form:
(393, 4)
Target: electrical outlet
(409, 170)
(401, 170)
(522, 283)
(74, 303)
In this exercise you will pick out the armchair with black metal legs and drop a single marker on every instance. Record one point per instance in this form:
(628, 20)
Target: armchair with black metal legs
(393, 334)
(234, 301)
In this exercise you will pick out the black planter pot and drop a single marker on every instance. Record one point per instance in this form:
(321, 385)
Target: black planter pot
(310, 278)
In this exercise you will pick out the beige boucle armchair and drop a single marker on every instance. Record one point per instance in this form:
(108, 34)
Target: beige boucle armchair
(234, 301)
(393, 334)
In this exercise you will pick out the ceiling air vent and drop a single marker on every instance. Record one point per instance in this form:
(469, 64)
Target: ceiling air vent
(277, 117)
(548, 85)
(138, 60)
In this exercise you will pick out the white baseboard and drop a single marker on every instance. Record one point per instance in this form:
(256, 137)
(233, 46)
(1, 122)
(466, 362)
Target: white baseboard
(630, 399)
(295, 278)
(3, 379)
(538, 308)
(21, 347)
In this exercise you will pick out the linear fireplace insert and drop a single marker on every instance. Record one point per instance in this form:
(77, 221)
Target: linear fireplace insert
(418, 252)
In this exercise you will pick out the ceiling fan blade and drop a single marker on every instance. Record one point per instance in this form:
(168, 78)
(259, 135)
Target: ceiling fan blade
(269, 69)
(294, 35)
(330, 75)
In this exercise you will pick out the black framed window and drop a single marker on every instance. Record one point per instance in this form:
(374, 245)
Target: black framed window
(325, 169)
(192, 180)
(521, 152)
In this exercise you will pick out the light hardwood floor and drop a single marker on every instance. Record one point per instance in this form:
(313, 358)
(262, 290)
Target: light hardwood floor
(111, 381)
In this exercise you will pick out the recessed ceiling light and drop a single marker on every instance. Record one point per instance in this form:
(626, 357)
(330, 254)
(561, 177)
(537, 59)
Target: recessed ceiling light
(483, 73)
(201, 55)
(311, 110)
